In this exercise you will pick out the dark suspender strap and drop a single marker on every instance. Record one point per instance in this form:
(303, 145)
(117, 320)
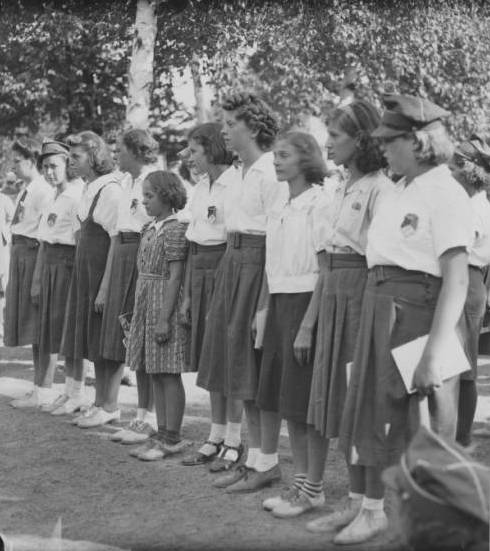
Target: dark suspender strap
(94, 202)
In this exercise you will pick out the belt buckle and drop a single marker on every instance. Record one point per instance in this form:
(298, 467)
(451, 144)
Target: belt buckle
(237, 240)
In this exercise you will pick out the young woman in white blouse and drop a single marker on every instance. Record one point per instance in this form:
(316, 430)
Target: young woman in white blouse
(21, 313)
(417, 255)
(90, 159)
(208, 156)
(52, 276)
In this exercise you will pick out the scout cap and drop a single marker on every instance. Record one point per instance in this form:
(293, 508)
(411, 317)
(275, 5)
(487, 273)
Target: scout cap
(441, 477)
(406, 114)
(53, 147)
(475, 150)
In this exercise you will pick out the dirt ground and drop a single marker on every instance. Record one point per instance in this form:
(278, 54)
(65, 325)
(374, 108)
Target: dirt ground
(51, 470)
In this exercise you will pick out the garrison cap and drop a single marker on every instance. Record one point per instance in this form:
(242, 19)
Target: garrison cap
(406, 114)
(475, 150)
(53, 147)
(441, 478)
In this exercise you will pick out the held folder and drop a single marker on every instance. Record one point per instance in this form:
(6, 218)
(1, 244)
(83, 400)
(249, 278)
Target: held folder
(407, 357)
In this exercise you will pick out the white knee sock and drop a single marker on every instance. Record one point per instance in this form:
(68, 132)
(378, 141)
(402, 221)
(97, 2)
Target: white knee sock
(150, 417)
(68, 386)
(266, 461)
(140, 413)
(217, 433)
(252, 457)
(233, 434)
(372, 504)
(76, 389)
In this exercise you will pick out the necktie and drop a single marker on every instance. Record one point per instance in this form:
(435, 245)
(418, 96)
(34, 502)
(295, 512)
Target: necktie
(19, 209)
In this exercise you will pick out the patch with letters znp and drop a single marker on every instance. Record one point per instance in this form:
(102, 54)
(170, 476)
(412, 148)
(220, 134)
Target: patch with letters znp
(409, 224)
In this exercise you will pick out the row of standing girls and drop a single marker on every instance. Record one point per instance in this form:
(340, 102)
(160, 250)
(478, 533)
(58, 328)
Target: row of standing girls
(286, 297)
(315, 287)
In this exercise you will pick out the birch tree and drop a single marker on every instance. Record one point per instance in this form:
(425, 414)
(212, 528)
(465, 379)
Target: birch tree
(140, 74)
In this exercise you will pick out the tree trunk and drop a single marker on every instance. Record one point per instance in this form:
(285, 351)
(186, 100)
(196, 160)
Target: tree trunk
(140, 74)
(201, 113)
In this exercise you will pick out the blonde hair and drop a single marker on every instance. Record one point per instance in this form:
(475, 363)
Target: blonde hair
(433, 146)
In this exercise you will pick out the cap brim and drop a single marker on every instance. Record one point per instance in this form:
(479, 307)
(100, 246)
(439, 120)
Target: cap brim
(387, 132)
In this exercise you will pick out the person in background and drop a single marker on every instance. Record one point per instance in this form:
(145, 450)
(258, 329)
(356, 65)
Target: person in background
(158, 343)
(208, 156)
(417, 286)
(6, 215)
(91, 160)
(21, 314)
(292, 269)
(229, 363)
(470, 166)
(52, 276)
(137, 157)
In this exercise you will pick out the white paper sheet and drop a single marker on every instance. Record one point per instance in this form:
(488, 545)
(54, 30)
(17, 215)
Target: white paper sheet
(407, 357)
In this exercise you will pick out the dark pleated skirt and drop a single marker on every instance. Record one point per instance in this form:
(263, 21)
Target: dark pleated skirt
(472, 320)
(205, 260)
(380, 418)
(21, 315)
(120, 299)
(284, 384)
(83, 325)
(229, 364)
(55, 283)
(338, 328)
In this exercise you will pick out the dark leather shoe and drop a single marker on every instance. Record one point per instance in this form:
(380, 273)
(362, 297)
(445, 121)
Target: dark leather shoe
(221, 463)
(254, 481)
(200, 458)
(235, 474)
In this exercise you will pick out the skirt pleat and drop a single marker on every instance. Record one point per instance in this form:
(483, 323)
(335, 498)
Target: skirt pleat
(55, 282)
(380, 417)
(203, 277)
(120, 300)
(21, 315)
(337, 332)
(284, 384)
(83, 325)
(229, 364)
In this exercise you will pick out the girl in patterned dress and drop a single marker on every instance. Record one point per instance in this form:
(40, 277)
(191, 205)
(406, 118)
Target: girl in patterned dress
(158, 344)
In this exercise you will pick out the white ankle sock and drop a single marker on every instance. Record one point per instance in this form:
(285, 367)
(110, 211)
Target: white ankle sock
(233, 434)
(76, 389)
(353, 495)
(140, 413)
(252, 457)
(68, 386)
(266, 461)
(372, 504)
(217, 433)
(150, 417)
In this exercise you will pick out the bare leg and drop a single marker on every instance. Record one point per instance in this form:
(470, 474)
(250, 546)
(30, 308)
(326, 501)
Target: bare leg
(468, 398)
(145, 391)
(174, 401)
(252, 414)
(298, 438)
(113, 375)
(160, 407)
(100, 382)
(317, 455)
(218, 408)
(270, 426)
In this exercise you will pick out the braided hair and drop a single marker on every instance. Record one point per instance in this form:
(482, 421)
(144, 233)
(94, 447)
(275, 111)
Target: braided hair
(256, 114)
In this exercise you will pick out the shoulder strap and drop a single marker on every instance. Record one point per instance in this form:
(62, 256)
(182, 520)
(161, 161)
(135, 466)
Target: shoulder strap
(94, 202)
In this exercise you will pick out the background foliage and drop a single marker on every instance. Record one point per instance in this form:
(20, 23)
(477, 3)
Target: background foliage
(63, 63)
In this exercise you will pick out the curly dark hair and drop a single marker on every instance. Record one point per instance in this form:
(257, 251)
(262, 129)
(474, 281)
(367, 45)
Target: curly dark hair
(209, 135)
(168, 187)
(311, 162)
(99, 152)
(256, 114)
(358, 119)
(141, 144)
(27, 147)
